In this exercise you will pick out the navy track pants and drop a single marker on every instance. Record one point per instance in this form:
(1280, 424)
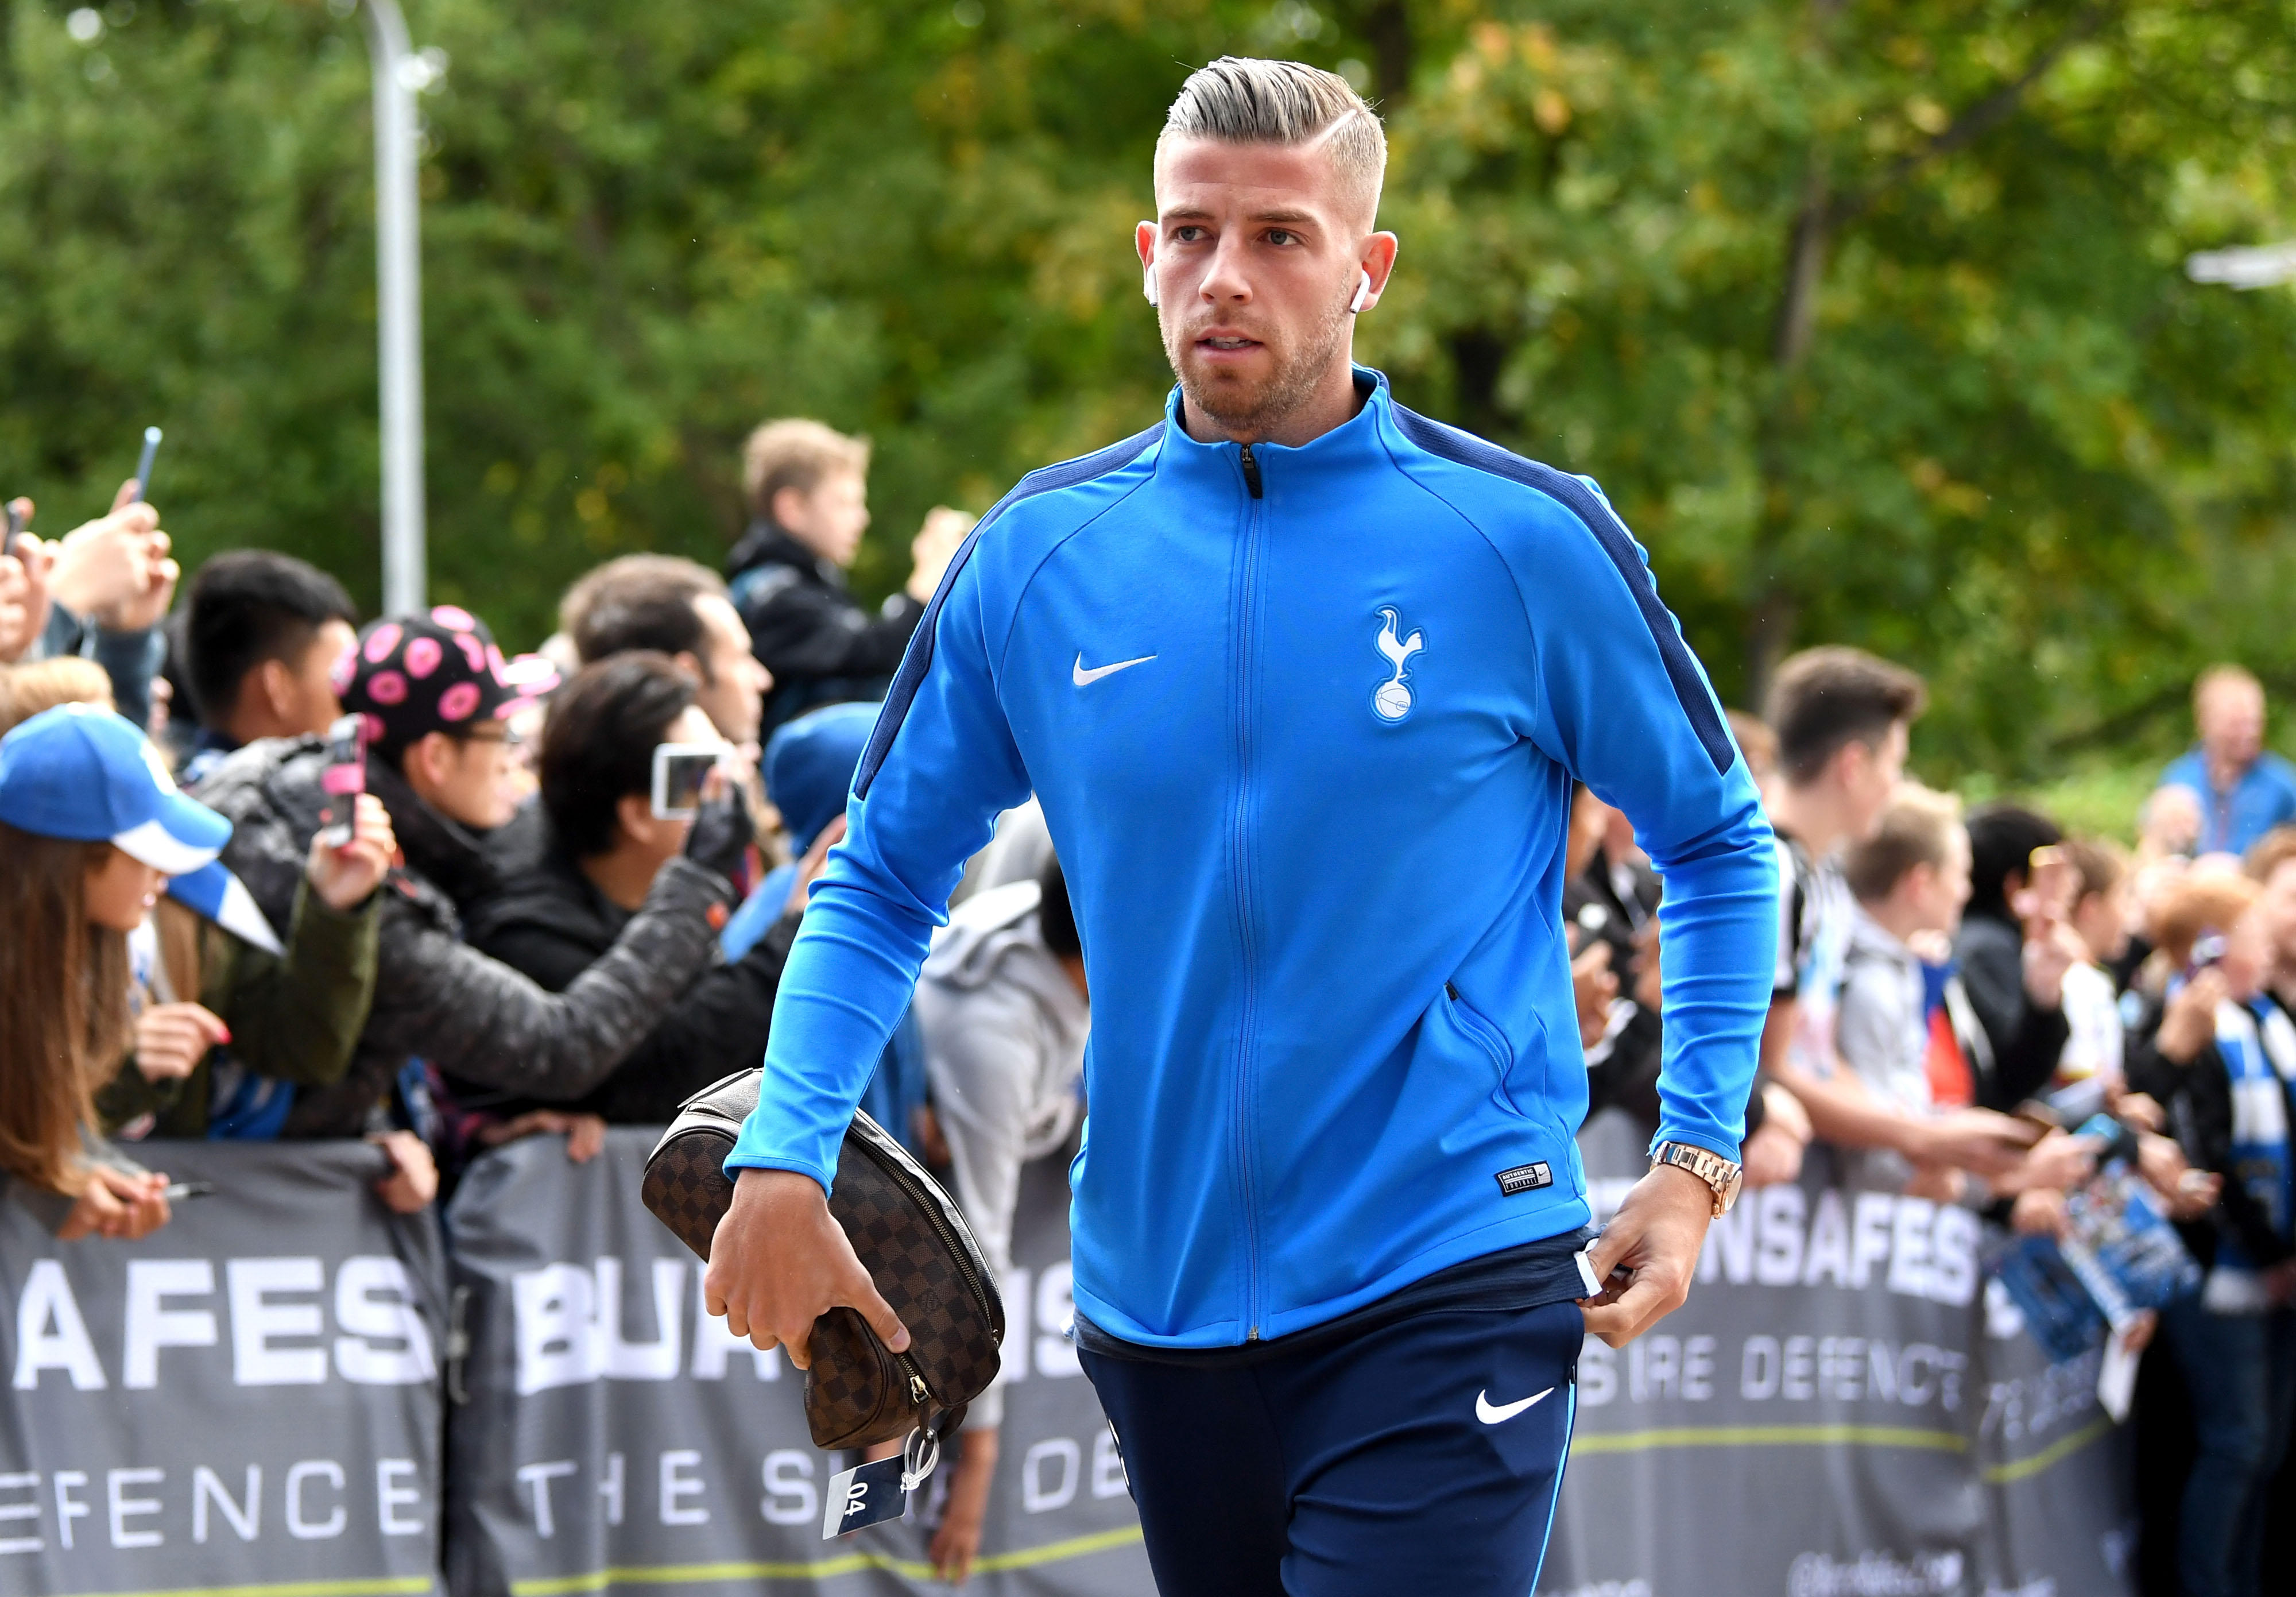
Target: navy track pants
(1423, 1455)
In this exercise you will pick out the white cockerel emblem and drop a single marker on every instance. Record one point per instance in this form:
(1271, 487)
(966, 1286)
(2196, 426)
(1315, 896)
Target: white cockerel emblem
(1393, 702)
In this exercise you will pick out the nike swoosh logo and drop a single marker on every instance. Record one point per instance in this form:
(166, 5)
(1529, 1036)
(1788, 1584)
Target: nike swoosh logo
(1086, 678)
(1488, 1415)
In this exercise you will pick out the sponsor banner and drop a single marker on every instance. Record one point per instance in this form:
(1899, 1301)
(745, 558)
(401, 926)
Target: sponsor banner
(2058, 1474)
(1826, 1417)
(607, 1435)
(248, 1399)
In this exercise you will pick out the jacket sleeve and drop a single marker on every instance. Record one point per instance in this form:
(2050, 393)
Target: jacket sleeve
(2025, 1066)
(925, 808)
(1623, 705)
(719, 1027)
(1993, 974)
(800, 631)
(296, 1019)
(475, 1017)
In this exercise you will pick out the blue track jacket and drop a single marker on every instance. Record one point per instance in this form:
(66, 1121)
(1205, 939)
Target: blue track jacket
(1304, 723)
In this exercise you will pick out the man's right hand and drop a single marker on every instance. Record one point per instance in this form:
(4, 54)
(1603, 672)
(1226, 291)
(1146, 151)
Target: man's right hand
(1978, 1141)
(779, 1262)
(2189, 1023)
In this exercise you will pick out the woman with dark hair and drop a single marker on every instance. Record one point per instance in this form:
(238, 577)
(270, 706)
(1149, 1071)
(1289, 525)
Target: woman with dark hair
(91, 827)
(2014, 972)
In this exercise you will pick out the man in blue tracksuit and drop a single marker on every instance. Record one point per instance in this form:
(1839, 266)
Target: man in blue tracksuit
(1302, 680)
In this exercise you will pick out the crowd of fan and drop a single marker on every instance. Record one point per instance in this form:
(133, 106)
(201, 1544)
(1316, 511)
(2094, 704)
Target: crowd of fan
(502, 935)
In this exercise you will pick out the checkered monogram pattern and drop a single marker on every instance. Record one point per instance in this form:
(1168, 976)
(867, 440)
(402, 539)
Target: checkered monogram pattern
(907, 1233)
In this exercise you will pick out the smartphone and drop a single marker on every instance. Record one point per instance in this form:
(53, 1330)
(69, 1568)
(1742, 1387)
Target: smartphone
(2206, 952)
(680, 770)
(343, 779)
(143, 465)
(180, 1191)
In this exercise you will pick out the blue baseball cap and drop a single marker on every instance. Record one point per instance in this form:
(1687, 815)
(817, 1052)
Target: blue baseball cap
(809, 766)
(79, 771)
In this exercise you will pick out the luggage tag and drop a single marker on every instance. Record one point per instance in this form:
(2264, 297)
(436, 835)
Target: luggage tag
(870, 1494)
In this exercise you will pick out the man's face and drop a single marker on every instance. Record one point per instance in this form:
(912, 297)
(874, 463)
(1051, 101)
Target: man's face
(830, 518)
(2232, 723)
(311, 703)
(1870, 774)
(470, 779)
(732, 690)
(1256, 251)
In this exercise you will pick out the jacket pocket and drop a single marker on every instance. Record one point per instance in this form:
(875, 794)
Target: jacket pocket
(1489, 1038)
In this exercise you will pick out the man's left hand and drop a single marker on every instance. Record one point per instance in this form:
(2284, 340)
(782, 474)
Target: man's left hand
(1655, 1237)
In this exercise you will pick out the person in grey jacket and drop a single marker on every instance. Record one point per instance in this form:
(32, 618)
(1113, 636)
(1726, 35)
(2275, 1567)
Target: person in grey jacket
(1005, 1015)
(437, 754)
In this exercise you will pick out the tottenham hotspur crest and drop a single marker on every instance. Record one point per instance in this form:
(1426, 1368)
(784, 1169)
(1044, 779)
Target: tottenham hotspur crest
(1392, 701)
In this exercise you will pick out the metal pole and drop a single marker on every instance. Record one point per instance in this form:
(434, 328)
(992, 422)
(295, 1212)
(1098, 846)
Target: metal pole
(398, 303)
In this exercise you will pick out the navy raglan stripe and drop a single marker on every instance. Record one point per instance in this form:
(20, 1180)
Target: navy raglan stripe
(918, 660)
(1689, 687)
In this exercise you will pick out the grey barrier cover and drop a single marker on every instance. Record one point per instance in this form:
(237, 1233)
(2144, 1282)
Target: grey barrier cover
(608, 1436)
(250, 1397)
(1836, 1412)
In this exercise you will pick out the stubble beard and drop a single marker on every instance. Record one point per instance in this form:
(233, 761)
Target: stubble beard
(1258, 408)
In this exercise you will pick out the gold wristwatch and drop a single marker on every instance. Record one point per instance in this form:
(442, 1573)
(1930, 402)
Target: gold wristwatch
(1711, 1168)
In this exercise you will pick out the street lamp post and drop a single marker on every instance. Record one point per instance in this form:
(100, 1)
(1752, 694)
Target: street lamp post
(398, 75)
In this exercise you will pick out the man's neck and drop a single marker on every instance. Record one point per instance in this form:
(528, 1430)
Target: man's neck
(2223, 771)
(625, 874)
(1807, 815)
(1901, 921)
(1332, 403)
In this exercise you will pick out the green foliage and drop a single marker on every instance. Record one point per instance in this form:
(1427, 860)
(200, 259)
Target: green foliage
(1995, 433)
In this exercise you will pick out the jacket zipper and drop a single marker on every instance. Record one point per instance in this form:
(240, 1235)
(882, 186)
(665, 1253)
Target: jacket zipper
(1247, 596)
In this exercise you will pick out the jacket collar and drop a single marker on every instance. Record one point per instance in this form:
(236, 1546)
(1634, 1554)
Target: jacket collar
(769, 543)
(1353, 442)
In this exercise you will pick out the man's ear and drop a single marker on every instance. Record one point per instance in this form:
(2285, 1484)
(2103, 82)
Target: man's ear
(691, 663)
(634, 818)
(789, 506)
(276, 684)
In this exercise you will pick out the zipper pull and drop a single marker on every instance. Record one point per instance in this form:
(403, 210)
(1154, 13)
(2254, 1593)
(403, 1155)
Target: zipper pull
(1250, 472)
(917, 1393)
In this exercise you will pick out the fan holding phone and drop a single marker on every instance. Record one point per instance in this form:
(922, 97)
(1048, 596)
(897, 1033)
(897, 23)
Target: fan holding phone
(634, 785)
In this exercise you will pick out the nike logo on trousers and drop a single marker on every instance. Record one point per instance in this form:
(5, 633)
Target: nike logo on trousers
(1084, 678)
(1500, 1415)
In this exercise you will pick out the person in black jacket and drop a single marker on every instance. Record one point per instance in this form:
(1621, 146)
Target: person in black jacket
(2218, 1055)
(604, 847)
(807, 487)
(2014, 985)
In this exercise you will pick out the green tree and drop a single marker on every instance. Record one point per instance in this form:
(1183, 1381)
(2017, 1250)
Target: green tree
(1869, 317)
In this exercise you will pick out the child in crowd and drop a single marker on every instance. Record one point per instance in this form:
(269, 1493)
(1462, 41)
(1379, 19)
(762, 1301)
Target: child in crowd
(1905, 1026)
(90, 826)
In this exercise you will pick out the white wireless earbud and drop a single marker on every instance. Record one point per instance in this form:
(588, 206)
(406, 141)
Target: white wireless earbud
(1148, 284)
(1363, 291)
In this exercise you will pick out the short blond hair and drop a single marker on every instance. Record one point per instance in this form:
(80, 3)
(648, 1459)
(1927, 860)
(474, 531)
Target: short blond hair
(1242, 100)
(1917, 828)
(26, 690)
(799, 454)
(2197, 905)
